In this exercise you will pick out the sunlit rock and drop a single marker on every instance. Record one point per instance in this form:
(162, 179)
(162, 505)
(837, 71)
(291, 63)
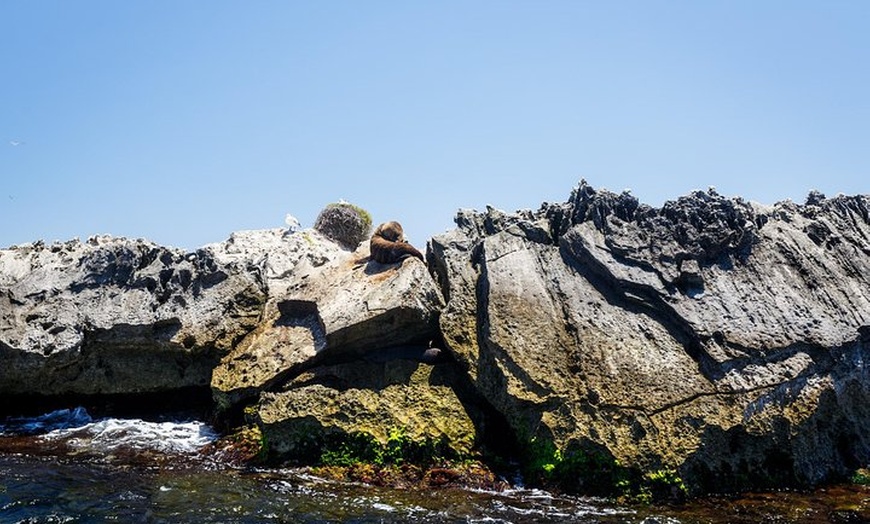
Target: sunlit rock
(713, 337)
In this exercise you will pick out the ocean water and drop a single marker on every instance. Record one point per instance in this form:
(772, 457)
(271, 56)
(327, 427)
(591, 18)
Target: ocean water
(68, 467)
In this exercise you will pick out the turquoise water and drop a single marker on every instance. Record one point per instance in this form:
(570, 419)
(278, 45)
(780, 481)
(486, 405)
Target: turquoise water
(70, 468)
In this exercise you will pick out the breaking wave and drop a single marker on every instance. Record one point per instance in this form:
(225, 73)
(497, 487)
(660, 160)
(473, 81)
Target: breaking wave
(76, 429)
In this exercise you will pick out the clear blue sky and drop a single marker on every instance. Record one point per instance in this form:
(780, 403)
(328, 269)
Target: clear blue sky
(182, 121)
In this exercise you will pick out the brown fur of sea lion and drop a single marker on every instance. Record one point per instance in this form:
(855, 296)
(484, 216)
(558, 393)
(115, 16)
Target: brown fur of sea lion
(388, 244)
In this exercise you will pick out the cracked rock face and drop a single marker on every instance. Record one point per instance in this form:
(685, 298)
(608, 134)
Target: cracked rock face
(717, 337)
(246, 316)
(350, 309)
(116, 316)
(344, 351)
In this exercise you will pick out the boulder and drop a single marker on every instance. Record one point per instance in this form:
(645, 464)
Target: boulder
(348, 309)
(344, 353)
(371, 399)
(717, 338)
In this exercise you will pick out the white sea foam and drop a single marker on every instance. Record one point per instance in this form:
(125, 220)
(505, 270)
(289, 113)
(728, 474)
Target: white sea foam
(380, 506)
(112, 433)
(59, 419)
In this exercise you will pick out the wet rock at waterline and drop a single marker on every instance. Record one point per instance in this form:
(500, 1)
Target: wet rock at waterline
(116, 316)
(377, 400)
(715, 339)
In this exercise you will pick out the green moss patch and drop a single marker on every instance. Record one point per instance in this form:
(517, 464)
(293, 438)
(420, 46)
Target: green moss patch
(591, 469)
(362, 448)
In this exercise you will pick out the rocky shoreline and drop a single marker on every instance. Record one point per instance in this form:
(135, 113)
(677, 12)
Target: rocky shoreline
(610, 347)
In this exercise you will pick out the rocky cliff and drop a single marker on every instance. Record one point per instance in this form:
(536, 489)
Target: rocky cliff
(709, 344)
(713, 338)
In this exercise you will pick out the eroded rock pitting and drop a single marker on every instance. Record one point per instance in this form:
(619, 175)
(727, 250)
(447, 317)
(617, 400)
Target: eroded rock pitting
(713, 342)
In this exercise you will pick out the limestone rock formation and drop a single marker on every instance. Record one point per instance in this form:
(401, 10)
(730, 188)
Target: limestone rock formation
(349, 308)
(373, 398)
(713, 337)
(245, 316)
(113, 315)
(117, 316)
(344, 352)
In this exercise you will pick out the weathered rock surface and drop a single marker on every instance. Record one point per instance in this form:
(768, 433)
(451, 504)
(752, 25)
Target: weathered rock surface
(374, 398)
(114, 315)
(714, 339)
(118, 316)
(350, 308)
(342, 352)
(245, 316)
(722, 339)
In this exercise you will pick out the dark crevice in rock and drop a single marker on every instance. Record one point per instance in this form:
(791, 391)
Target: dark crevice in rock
(156, 335)
(558, 217)
(840, 361)
(616, 407)
(195, 400)
(414, 353)
(370, 333)
(503, 255)
(823, 358)
(302, 313)
(624, 258)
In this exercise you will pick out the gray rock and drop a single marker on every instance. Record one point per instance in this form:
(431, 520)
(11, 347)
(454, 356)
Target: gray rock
(244, 316)
(712, 336)
(719, 339)
(113, 315)
(348, 310)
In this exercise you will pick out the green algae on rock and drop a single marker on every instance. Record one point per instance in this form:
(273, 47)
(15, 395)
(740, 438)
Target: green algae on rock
(362, 402)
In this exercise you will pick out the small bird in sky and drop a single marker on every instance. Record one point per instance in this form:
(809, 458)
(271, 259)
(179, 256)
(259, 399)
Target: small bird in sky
(15, 143)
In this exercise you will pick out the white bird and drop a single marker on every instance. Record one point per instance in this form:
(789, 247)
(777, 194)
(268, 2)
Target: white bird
(15, 143)
(292, 223)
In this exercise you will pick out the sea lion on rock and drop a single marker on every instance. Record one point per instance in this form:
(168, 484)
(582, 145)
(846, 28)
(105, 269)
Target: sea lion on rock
(388, 244)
